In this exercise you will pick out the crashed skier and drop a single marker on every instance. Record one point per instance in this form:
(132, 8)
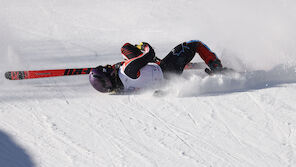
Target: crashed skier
(142, 69)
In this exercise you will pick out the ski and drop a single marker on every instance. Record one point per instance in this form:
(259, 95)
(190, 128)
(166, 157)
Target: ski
(19, 75)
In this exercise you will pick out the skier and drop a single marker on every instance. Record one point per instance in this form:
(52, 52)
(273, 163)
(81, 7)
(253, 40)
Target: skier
(142, 69)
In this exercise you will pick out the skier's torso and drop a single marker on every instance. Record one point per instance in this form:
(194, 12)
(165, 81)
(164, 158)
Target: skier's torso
(150, 75)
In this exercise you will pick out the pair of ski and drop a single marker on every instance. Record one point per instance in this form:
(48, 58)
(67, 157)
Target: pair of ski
(19, 75)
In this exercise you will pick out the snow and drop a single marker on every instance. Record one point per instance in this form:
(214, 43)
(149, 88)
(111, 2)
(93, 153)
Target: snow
(242, 119)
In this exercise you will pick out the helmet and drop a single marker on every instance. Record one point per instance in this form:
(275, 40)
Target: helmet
(99, 80)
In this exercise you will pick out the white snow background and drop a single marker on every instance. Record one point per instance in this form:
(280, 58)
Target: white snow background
(246, 119)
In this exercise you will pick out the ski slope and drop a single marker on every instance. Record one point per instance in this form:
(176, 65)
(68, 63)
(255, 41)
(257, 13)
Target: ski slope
(245, 120)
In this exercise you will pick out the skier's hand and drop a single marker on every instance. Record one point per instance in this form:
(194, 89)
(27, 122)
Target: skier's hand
(107, 69)
(143, 46)
(117, 65)
(215, 65)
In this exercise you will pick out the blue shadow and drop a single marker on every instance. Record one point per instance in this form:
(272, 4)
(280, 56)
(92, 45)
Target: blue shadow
(12, 154)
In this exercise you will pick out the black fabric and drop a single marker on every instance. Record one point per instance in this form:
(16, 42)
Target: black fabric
(130, 51)
(133, 66)
(177, 59)
(215, 65)
(111, 72)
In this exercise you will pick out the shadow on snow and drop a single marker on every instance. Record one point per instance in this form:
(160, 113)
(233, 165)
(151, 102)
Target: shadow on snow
(12, 154)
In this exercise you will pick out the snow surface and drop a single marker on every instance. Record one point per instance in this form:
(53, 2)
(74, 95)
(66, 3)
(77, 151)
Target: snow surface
(246, 119)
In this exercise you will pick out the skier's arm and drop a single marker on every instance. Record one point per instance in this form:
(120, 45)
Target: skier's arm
(130, 51)
(131, 67)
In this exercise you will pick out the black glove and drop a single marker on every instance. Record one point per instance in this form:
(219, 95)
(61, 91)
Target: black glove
(108, 70)
(215, 65)
(142, 46)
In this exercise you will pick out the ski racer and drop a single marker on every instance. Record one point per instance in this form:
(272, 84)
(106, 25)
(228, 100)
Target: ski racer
(142, 69)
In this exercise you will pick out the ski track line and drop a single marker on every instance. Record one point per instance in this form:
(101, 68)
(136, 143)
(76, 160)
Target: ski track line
(210, 145)
(267, 114)
(58, 90)
(231, 132)
(122, 147)
(39, 116)
(136, 111)
(202, 161)
(204, 141)
(283, 103)
(119, 140)
(115, 110)
(99, 133)
(36, 119)
(30, 111)
(189, 116)
(62, 137)
(291, 152)
(192, 119)
(246, 117)
(288, 140)
(270, 118)
(250, 145)
(172, 129)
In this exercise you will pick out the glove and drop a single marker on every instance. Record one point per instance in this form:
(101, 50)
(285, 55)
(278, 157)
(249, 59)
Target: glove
(140, 46)
(109, 70)
(215, 65)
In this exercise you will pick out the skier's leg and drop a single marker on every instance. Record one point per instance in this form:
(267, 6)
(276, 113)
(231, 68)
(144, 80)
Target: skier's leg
(206, 54)
(176, 60)
(182, 54)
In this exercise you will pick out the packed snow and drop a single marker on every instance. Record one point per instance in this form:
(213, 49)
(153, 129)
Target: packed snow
(246, 118)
